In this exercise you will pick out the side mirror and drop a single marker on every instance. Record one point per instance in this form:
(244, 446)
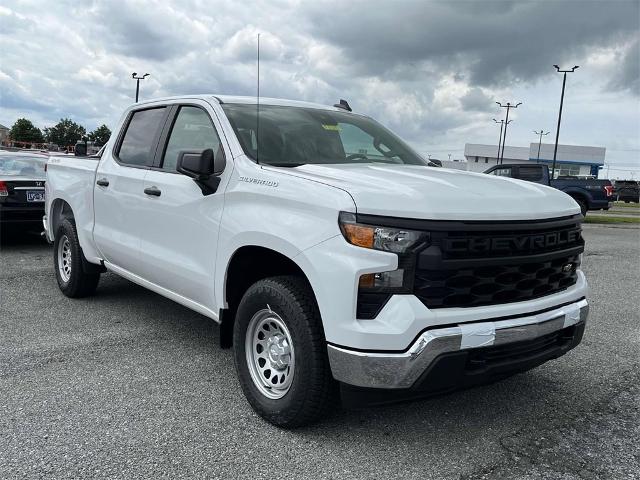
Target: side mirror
(203, 166)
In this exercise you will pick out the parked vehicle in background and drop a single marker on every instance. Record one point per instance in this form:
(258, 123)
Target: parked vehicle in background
(330, 252)
(626, 191)
(22, 177)
(589, 193)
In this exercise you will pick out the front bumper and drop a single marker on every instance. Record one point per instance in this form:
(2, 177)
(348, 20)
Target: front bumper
(403, 370)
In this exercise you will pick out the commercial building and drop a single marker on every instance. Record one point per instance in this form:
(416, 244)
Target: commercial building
(4, 133)
(576, 160)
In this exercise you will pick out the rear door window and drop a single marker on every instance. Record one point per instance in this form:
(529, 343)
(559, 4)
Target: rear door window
(531, 174)
(141, 137)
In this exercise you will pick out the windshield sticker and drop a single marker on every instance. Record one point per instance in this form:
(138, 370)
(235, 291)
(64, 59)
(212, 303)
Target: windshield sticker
(333, 128)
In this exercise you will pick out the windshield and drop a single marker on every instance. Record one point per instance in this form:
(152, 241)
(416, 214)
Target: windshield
(291, 136)
(24, 166)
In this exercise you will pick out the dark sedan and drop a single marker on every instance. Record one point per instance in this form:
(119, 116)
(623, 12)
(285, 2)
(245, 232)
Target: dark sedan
(22, 177)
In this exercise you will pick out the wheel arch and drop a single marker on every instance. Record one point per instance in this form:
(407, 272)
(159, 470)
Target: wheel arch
(579, 195)
(60, 210)
(247, 265)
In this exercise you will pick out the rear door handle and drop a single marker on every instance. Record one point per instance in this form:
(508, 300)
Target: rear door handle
(103, 182)
(152, 191)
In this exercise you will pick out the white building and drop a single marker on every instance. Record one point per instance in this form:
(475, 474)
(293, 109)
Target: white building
(570, 159)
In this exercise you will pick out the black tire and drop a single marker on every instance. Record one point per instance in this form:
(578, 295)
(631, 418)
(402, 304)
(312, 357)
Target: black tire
(312, 389)
(74, 282)
(583, 206)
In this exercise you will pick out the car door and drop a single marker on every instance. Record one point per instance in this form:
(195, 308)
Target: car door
(118, 194)
(181, 223)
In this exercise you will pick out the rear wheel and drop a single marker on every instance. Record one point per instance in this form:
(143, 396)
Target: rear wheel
(280, 352)
(68, 258)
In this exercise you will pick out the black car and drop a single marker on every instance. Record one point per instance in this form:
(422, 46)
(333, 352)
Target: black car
(22, 177)
(626, 190)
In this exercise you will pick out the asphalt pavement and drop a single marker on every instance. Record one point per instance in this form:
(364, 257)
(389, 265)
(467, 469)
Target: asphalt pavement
(127, 384)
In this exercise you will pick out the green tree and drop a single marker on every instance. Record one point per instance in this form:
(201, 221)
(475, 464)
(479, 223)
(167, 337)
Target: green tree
(100, 135)
(65, 133)
(25, 131)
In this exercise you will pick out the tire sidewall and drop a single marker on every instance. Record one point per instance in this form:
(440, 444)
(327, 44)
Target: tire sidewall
(67, 229)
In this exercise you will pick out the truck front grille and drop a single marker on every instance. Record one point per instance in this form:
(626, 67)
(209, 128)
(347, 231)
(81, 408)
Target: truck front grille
(480, 263)
(491, 285)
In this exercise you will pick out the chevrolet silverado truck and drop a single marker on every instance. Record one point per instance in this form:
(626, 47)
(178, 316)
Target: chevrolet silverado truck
(338, 263)
(589, 193)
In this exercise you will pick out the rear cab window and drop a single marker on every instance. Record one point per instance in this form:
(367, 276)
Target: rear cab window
(531, 174)
(138, 144)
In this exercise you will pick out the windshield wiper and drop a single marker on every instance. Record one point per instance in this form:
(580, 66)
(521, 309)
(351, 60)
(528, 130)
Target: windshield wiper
(284, 164)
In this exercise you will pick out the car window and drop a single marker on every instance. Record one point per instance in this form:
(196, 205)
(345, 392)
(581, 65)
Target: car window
(502, 172)
(359, 144)
(139, 142)
(291, 135)
(192, 130)
(17, 165)
(532, 174)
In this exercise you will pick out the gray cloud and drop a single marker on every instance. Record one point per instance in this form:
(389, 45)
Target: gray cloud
(476, 100)
(627, 76)
(497, 43)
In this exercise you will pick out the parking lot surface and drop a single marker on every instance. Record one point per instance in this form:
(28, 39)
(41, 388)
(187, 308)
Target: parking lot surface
(127, 384)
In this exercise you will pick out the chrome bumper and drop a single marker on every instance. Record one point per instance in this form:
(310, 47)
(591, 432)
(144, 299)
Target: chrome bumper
(402, 369)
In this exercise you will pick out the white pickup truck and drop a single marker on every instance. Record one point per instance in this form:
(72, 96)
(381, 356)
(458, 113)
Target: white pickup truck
(337, 261)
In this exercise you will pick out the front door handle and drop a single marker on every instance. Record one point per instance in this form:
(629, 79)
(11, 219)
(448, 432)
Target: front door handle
(152, 191)
(103, 182)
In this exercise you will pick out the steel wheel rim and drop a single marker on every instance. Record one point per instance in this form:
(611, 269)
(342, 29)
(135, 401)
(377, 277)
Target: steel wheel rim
(270, 354)
(64, 258)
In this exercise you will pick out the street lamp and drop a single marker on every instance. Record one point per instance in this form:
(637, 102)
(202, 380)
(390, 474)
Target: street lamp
(508, 106)
(541, 133)
(564, 82)
(501, 122)
(134, 75)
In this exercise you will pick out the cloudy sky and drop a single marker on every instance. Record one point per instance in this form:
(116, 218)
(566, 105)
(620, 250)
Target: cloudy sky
(431, 71)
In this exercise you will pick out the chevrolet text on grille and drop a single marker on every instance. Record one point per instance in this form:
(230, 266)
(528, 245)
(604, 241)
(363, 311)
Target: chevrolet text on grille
(516, 242)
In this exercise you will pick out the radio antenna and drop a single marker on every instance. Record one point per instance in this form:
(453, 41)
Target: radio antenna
(258, 109)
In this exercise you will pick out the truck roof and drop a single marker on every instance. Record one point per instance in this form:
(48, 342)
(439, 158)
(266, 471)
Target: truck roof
(246, 100)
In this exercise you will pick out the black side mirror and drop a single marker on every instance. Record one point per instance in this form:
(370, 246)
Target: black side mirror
(203, 166)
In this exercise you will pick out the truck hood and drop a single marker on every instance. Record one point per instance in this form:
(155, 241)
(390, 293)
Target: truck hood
(414, 191)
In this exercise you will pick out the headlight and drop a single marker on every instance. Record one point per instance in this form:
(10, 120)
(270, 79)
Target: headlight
(396, 240)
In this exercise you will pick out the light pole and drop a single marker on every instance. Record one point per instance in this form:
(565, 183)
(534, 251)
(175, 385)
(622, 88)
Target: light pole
(541, 133)
(508, 106)
(564, 82)
(501, 122)
(134, 75)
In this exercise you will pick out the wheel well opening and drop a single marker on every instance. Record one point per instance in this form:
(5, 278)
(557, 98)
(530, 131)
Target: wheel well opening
(247, 266)
(60, 210)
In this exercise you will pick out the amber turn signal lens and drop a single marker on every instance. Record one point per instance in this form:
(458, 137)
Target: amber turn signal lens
(359, 235)
(368, 280)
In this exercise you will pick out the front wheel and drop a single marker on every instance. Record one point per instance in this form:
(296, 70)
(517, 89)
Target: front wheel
(73, 281)
(583, 206)
(280, 352)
